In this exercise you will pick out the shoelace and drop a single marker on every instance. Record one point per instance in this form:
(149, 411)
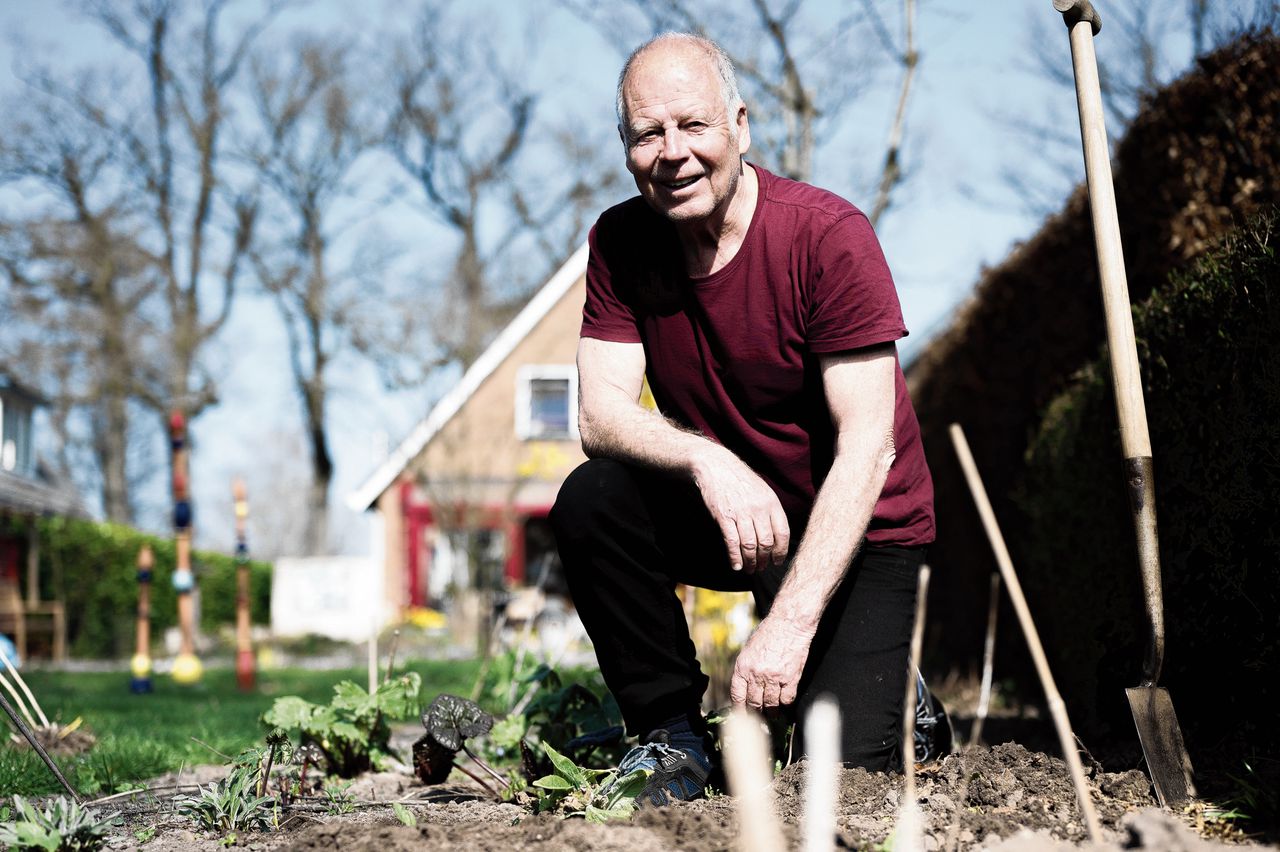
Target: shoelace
(649, 752)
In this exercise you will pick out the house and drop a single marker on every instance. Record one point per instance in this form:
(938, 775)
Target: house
(28, 490)
(462, 502)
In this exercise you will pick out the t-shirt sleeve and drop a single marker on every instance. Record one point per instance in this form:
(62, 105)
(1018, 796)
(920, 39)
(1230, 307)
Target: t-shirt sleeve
(605, 316)
(852, 301)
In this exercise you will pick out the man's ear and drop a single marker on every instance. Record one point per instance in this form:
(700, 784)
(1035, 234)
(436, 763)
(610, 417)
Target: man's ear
(744, 130)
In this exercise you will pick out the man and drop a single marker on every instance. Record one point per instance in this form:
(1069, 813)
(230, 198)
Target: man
(785, 459)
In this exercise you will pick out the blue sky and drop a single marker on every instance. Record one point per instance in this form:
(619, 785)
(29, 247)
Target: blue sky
(953, 215)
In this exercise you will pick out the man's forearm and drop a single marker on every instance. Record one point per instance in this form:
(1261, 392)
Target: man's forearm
(841, 513)
(631, 433)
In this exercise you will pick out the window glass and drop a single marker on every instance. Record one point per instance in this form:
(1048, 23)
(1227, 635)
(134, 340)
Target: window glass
(15, 441)
(548, 407)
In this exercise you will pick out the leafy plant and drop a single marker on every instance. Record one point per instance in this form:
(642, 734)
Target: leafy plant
(584, 725)
(404, 815)
(339, 800)
(231, 804)
(451, 721)
(595, 794)
(352, 730)
(61, 825)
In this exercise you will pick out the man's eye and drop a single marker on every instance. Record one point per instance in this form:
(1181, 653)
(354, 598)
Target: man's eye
(694, 126)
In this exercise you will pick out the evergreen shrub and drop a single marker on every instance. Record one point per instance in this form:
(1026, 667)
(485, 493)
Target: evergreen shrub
(1209, 346)
(93, 568)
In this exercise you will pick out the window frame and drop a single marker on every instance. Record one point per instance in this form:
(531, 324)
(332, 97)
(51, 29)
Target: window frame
(526, 375)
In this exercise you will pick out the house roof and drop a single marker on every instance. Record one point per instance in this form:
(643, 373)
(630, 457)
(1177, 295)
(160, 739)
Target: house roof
(43, 495)
(449, 405)
(8, 384)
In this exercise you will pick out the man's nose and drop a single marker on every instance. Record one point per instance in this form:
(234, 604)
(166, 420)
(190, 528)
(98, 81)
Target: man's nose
(673, 145)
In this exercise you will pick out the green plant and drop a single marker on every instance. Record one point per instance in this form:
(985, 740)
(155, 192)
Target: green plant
(1210, 354)
(595, 794)
(61, 825)
(231, 804)
(93, 568)
(351, 730)
(581, 722)
(338, 799)
(404, 815)
(451, 721)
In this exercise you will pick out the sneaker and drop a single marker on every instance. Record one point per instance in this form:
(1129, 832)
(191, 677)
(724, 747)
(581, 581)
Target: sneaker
(933, 733)
(675, 773)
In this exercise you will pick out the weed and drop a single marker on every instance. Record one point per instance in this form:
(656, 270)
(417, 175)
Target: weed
(339, 800)
(62, 825)
(404, 815)
(596, 794)
(142, 835)
(231, 804)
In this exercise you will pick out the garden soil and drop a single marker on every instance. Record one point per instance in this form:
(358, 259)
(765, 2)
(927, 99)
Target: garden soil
(1001, 798)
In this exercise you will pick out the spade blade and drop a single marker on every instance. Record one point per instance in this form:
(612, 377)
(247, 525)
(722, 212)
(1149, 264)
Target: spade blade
(1161, 738)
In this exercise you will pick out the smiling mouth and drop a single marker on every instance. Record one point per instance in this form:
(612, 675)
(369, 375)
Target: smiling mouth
(681, 184)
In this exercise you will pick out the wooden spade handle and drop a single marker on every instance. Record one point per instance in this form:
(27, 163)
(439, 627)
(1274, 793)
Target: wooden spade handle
(1083, 22)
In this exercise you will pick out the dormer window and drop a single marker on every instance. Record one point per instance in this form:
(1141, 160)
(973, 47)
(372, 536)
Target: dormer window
(547, 402)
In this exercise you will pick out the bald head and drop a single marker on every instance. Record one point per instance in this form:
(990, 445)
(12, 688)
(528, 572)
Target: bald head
(672, 46)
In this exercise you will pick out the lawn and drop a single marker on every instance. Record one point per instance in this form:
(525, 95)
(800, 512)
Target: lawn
(142, 736)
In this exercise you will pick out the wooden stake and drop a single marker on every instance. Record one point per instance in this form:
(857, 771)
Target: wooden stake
(26, 690)
(186, 666)
(244, 644)
(1056, 706)
(910, 830)
(822, 774)
(988, 661)
(140, 665)
(750, 772)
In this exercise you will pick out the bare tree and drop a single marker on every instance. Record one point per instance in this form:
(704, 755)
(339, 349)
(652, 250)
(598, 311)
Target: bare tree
(799, 74)
(1142, 47)
(78, 280)
(313, 133)
(198, 224)
(461, 136)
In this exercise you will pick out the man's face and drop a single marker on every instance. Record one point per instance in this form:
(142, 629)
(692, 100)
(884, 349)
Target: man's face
(683, 148)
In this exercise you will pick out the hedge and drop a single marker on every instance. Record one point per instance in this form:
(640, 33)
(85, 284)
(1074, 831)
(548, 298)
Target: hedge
(93, 568)
(1209, 346)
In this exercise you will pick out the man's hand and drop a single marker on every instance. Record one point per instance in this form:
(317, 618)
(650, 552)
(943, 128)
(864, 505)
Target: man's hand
(769, 666)
(755, 529)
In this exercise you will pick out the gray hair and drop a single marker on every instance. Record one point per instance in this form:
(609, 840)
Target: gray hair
(723, 64)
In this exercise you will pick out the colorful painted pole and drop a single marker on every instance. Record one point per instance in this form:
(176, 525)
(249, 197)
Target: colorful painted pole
(186, 666)
(140, 665)
(244, 648)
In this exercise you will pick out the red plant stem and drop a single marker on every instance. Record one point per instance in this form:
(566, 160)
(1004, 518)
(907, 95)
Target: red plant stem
(484, 766)
(476, 778)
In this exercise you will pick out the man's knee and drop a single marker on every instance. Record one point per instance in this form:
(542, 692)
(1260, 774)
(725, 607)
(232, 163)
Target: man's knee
(589, 494)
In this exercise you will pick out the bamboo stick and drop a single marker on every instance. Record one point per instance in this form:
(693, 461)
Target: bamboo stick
(1056, 706)
(822, 774)
(909, 835)
(988, 661)
(750, 772)
(26, 690)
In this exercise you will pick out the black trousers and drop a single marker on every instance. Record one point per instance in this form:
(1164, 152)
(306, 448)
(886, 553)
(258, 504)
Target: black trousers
(627, 536)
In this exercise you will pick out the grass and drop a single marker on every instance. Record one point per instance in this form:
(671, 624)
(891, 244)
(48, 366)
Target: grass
(142, 736)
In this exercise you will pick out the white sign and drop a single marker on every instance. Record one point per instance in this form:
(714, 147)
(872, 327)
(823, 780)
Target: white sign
(335, 596)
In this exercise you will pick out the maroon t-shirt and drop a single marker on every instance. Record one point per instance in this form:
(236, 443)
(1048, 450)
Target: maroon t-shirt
(734, 355)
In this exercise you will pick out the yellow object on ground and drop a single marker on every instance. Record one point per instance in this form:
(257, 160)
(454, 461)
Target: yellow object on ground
(187, 668)
(140, 665)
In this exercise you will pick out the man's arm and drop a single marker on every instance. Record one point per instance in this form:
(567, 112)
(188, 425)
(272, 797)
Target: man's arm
(859, 387)
(612, 423)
